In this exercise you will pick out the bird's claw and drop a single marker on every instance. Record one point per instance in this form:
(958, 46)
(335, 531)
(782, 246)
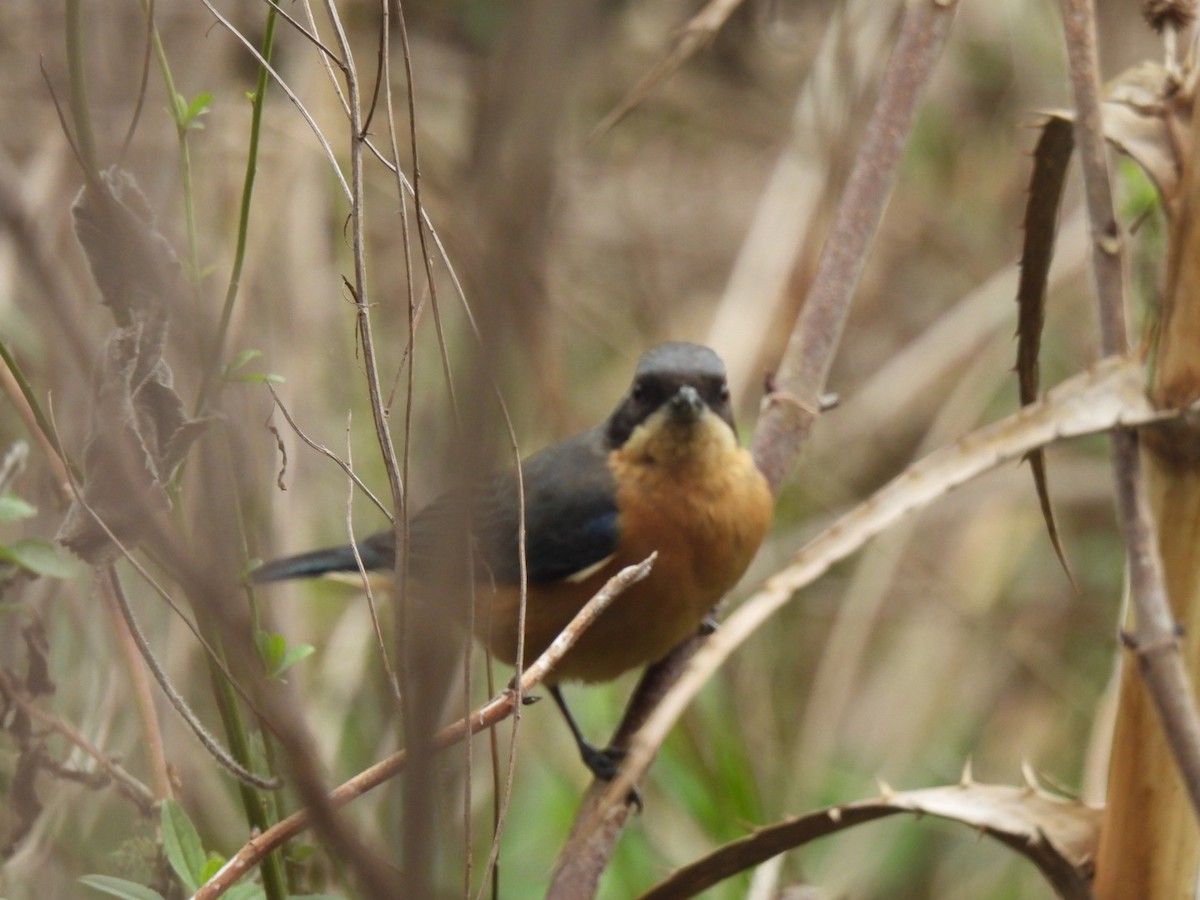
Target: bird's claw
(605, 764)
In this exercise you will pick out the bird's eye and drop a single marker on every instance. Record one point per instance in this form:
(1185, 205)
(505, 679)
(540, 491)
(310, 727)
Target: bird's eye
(637, 392)
(723, 394)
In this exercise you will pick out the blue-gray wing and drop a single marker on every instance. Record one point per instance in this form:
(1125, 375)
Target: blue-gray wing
(571, 518)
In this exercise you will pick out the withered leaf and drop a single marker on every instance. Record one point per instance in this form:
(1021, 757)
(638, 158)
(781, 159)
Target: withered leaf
(1050, 159)
(140, 429)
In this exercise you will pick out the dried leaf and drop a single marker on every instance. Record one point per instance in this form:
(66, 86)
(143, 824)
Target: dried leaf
(1050, 160)
(1058, 835)
(140, 430)
(1144, 113)
(37, 679)
(133, 264)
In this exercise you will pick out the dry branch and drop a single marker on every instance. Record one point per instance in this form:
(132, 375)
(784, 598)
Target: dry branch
(485, 717)
(1059, 836)
(1156, 628)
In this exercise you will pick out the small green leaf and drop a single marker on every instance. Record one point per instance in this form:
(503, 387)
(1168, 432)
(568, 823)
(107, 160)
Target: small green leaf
(240, 360)
(293, 655)
(212, 865)
(258, 378)
(271, 648)
(230, 372)
(119, 887)
(13, 507)
(246, 891)
(182, 845)
(277, 656)
(39, 557)
(251, 96)
(197, 108)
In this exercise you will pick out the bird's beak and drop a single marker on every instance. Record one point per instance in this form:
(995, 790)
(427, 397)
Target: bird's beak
(686, 407)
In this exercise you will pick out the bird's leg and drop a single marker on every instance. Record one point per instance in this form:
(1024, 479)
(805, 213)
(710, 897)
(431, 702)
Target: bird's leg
(602, 763)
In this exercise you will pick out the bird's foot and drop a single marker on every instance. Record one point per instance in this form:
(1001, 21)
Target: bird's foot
(605, 764)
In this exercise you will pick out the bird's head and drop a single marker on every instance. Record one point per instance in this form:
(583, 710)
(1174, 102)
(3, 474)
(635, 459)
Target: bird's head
(678, 402)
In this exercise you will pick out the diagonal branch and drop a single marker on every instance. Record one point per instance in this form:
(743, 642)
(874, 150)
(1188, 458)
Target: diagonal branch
(485, 717)
(795, 400)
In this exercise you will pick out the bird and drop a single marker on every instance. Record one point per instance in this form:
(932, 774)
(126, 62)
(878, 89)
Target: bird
(663, 473)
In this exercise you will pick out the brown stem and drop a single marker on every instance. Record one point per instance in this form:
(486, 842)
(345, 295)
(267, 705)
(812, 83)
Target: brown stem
(1165, 674)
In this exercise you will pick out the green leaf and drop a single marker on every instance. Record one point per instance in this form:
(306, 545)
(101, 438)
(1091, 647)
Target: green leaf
(293, 655)
(230, 372)
(271, 648)
(258, 378)
(277, 655)
(119, 887)
(240, 360)
(246, 891)
(39, 557)
(212, 865)
(198, 107)
(182, 845)
(13, 508)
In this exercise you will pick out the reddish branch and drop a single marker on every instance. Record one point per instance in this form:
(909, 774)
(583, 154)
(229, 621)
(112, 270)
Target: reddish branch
(486, 716)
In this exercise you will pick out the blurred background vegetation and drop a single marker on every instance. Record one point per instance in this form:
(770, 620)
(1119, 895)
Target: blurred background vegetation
(955, 636)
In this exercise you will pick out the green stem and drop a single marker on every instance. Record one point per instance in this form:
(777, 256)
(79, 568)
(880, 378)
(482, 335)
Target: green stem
(260, 806)
(85, 140)
(43, 422)
(239, 255)
(179, 117)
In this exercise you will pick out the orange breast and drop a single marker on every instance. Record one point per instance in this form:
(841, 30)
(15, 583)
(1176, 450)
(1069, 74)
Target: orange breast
(705, 509)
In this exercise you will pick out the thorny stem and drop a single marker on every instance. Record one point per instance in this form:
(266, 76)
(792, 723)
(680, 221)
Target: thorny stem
(1164, 672)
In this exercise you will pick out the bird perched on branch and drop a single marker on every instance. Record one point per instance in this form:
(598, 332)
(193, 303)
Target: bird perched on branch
(663, 473)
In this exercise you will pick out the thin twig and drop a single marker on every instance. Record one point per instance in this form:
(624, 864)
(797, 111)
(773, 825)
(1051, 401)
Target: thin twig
(140, 795)
(321, 448)
(698, 31)
(291, 95)
(109, 582)
(173, 696)
(487, 716)
(372, 606)
(143, 697)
